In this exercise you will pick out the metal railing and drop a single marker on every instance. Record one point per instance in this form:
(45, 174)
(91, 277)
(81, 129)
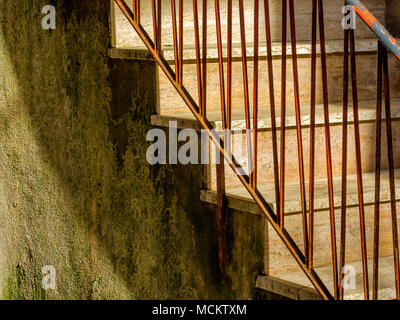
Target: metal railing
(305, 257)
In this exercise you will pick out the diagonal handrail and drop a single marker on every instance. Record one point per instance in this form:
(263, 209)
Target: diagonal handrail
(245, 180)
(377, 28)
(249, 181)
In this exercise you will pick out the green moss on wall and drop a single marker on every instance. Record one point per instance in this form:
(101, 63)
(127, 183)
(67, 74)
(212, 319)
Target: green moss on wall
(76, 191)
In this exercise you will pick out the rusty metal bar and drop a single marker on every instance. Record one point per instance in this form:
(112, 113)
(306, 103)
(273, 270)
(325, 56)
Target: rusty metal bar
(156, 12)
(221, 193)
(328, 147)
(246, 87)
(298, 125)
(180, 42)
(223, 256)
(281, 217)
(359, 166)
(204, 54)
(159, 26)
(220, 63)
(155, 28)
(378, 128)
(229, 79)
(386, 92)
(229, 67)
(175, 36)
(344, 162)
(255, 194)
(136, 10)
(312, 131)
(272, 104)
(198, 57)
(255, 92)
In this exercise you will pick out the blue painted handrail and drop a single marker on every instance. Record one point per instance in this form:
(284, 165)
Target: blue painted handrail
(373, 23)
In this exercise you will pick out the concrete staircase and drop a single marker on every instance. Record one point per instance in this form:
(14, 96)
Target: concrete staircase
(281, 272)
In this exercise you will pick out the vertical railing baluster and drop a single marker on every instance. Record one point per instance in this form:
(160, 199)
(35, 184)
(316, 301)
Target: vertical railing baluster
(281, 217)
(136, 10)
(272, 104)
(198, 57)
(328, 146)
(246, 86)
(220, 63)
(220, 166)
(386, 91)
(298, 125)
(223, 257)
(175, 37)
(359, 166)
(378, 125)
(229, 80)
(204, 64)
(159, 26)
(181, 42)
(344, 163)
(155, 28)
(255, 92)
(312, 130)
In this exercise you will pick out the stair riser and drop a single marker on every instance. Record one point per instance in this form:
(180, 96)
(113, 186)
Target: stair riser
(278, 260)
(265, 160)
(170, 101)
(333, 18)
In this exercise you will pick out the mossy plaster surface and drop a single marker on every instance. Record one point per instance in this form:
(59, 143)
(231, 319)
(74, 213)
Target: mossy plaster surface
(76, 191)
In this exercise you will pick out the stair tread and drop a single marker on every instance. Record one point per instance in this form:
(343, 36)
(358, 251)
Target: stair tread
(296, 285)
(240, 199)
(367, 113)
(303, 48)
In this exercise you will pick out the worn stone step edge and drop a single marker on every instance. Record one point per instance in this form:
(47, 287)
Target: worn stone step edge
(294, 283)
(367, 114)
(363, 46)
(295, 291)
(321, 203)
(286, 289)
(130, 54)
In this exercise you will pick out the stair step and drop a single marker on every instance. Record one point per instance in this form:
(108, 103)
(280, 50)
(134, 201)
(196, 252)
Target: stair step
(277, 258)
(363, 46)
(287, 289)
(171, 103)
(367, 113)
(333, 17)
(239, 199)
(295, 285)
(303, 49)
(367, 116)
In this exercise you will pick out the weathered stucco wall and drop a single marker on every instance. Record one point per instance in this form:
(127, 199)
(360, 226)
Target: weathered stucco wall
(75, 189)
